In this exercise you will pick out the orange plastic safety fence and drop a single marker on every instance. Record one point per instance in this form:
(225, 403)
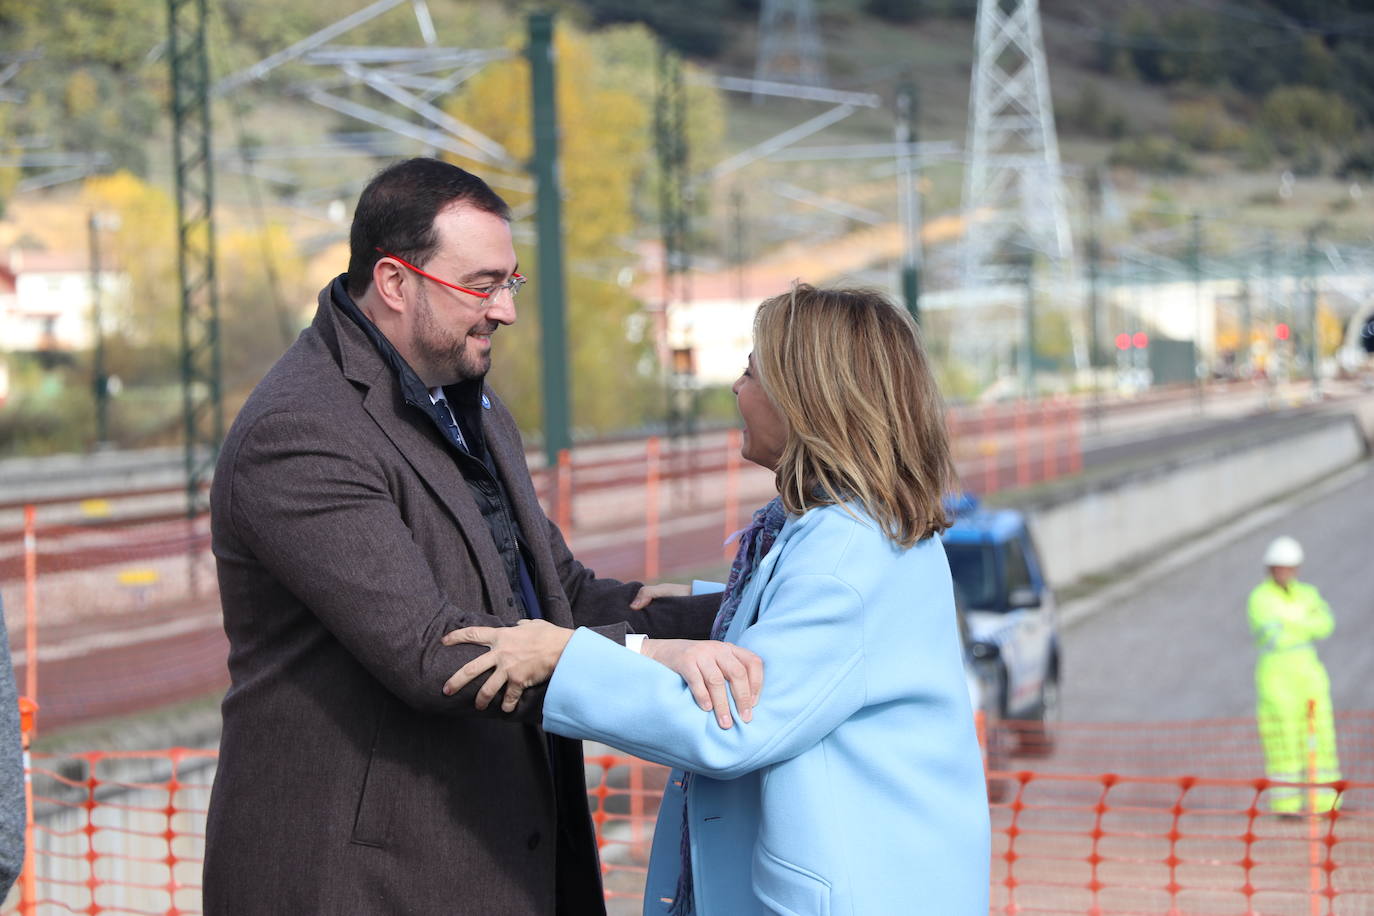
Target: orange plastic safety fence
(123, 833)
(120, 834)
(624, 802)
(1113, 845)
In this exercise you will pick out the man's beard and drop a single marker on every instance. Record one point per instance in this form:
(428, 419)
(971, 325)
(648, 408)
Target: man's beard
(437, 347)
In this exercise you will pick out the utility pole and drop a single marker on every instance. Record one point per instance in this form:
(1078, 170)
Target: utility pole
(1093, 318)
(1094, 271)
(99, 381)
(675, 199)
(1246, 320)
(737, 240)
(1195, 268)
(1271, 369)
(549, 218)
(1313, 345)
(670, 145)
(909, 195)
(193, 162)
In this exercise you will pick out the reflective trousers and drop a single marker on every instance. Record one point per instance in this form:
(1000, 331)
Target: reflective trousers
(1299, 746)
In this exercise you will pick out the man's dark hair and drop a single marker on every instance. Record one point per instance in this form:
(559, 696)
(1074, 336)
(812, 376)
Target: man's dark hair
(396, 213)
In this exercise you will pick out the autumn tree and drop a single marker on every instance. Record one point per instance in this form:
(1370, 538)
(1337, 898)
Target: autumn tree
(261, 288)
(263, 301)
(141, 241)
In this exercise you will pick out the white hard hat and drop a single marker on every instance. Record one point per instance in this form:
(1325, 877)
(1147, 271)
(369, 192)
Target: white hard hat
(1283, 551)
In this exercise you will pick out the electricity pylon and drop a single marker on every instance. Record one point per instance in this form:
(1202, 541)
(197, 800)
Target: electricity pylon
(790, 44)
(1013, 189)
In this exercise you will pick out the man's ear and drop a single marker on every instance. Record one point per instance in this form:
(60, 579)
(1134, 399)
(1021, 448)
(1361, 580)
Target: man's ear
(388, 279)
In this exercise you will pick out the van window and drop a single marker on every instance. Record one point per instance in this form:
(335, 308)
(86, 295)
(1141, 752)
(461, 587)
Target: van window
(1018, 574)
(974, 570)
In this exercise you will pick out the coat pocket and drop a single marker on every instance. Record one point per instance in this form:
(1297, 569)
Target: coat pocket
(377, 800)
(786, 889)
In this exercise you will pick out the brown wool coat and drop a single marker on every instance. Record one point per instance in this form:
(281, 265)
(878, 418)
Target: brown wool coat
(347, 543)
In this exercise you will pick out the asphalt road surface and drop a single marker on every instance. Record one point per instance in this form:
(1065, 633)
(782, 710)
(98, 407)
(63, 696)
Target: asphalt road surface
(1179, 647)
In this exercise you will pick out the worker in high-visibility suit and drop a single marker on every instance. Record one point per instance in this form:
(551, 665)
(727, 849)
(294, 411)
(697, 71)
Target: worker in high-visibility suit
(1294, 694)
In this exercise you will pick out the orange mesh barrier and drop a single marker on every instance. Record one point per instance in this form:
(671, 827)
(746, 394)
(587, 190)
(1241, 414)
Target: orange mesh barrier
(123, 834)
(118, 833)
(624, 803)
(1115, 845)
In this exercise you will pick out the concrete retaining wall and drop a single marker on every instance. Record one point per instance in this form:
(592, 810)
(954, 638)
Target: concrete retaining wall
(1129, 519)
(1363, 412)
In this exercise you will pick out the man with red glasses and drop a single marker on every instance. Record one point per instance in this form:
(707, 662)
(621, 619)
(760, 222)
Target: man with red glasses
(371, 496)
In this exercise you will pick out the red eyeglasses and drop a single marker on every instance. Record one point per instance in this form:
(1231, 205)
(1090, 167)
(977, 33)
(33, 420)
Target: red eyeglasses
(513, 284)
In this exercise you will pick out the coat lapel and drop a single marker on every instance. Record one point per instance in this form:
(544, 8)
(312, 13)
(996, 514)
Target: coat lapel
(429, 455)
(418, 442)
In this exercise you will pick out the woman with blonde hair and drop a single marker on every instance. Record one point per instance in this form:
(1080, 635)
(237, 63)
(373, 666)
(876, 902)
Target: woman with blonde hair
(855, 785)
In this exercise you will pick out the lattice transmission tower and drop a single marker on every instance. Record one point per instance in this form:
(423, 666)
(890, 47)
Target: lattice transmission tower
(790, 48)
(1013, 190)
(193, 163)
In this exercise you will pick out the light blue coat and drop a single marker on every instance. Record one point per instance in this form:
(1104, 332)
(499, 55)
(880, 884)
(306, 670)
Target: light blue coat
(858, 787)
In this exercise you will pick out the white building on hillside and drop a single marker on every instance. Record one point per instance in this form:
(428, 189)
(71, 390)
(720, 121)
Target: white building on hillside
(46, 299)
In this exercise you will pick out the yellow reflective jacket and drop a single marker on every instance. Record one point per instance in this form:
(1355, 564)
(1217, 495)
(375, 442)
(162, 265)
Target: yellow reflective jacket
(1283, 619)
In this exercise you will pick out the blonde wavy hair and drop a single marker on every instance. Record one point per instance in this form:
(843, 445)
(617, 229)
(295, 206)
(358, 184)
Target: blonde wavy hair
(849, 375)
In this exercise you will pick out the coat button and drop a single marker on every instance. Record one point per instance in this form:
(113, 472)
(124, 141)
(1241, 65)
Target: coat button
(533, 841)
(510, 602)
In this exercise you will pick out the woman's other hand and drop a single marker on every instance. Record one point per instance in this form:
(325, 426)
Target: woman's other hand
(708, 666)
(648, 593)
(520, 657)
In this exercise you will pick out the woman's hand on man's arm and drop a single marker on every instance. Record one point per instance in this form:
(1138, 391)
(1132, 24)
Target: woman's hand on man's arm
(710, 667)
(519, 657)
(526, 654)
